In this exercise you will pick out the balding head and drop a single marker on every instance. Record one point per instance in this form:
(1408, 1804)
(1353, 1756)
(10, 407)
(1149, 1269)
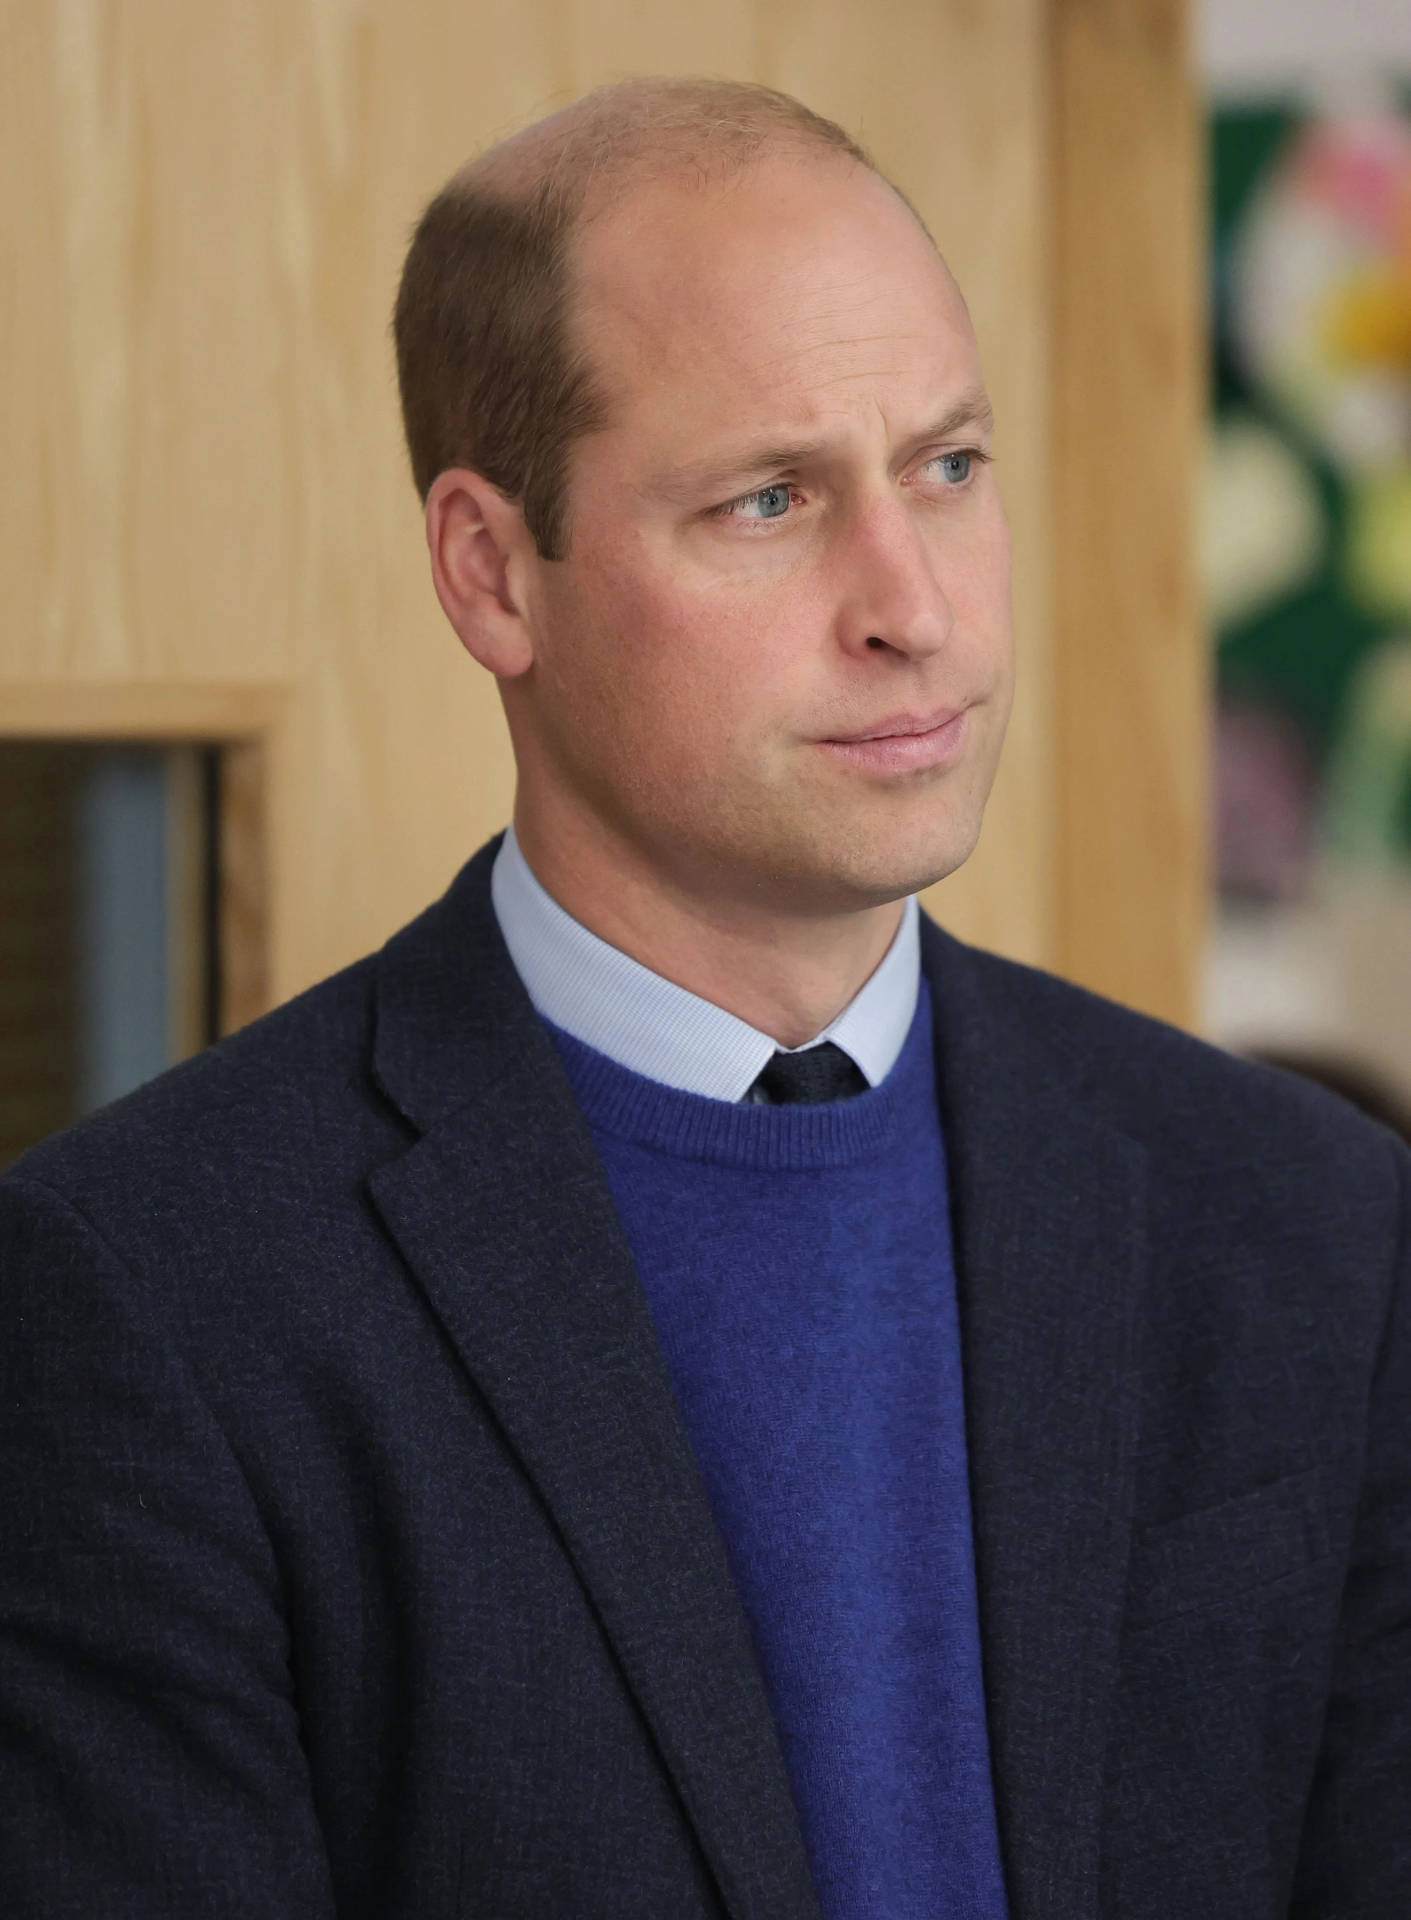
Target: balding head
(593, 151)
(490, 375)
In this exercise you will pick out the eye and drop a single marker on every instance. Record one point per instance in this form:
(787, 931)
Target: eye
(765, 503)
(956, 468)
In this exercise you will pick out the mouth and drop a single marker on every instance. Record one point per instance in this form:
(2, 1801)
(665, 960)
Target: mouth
(903, 742)
(899, 726)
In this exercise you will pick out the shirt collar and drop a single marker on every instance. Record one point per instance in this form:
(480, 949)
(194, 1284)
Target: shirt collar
(652, 1026)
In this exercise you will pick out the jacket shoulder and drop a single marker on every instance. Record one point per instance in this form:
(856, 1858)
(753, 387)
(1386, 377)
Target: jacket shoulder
(247, 1108)
(1181, 1096)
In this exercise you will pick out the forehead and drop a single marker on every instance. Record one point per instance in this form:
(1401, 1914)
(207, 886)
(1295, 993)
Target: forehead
(799, 288)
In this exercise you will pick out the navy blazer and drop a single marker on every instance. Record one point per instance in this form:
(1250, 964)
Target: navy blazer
(355, 1562)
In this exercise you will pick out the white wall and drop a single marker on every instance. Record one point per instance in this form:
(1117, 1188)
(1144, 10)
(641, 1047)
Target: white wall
(1273, 46)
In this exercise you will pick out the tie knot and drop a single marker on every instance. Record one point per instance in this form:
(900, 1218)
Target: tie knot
(809, 1077)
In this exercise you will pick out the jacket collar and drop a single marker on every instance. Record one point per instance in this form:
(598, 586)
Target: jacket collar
(502, 1211)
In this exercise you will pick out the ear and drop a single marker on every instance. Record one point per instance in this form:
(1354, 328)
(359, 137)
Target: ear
(479, 544)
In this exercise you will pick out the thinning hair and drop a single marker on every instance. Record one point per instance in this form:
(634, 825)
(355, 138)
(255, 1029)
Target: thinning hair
(489, 375)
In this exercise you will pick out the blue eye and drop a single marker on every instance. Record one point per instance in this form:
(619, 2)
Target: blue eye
(772, 502)
(955, 467)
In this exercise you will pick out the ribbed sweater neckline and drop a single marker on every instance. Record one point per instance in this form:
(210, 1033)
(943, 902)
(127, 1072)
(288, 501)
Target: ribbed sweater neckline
(629, 1106)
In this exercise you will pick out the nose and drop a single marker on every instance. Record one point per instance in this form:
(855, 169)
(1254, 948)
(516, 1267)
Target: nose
(890, 592)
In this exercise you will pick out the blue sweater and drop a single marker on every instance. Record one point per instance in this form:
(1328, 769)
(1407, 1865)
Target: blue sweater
(797, 1261)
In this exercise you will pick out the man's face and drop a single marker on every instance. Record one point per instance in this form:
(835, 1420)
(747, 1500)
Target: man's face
(786, 538)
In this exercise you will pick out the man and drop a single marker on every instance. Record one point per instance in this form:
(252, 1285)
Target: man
(676, 1389)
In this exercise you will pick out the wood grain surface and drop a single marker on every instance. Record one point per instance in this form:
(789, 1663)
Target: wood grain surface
(1131, 712)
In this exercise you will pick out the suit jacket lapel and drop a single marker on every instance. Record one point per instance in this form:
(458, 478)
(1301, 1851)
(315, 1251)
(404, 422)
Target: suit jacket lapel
(1048, 1208)
(503, 1214)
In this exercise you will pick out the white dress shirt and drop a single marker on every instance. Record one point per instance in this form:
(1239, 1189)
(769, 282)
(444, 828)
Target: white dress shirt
(649, 1024)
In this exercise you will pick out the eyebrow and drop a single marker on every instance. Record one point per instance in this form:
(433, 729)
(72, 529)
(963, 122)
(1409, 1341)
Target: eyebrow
(971, 409)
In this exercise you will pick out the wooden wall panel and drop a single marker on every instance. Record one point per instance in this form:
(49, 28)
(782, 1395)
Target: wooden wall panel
(203, 483)
(1131, 712)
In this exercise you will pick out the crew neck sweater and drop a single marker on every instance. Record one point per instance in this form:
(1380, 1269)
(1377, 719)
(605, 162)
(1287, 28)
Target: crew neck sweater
(797, 1264)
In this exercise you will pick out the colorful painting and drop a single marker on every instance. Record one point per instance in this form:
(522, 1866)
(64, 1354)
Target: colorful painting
(1308, 536)
(1307, 557)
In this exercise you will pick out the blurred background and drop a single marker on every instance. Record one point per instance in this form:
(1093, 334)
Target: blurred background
(1306, 533)
(238, 746)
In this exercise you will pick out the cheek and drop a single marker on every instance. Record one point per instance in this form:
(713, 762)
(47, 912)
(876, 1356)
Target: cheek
(699, 669)
(998, 571)
(980, 573)
(979, 590)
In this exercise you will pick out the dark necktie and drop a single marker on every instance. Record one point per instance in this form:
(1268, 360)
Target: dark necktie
(816, 1074)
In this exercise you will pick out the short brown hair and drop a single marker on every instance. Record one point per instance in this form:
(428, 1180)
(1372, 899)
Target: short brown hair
(488, 374)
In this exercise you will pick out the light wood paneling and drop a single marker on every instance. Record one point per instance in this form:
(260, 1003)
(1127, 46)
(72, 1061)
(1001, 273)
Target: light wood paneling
(71, 707)
(1131, 708)
(203, 486)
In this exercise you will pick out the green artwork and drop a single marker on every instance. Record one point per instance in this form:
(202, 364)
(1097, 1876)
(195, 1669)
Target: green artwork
(1308, 499)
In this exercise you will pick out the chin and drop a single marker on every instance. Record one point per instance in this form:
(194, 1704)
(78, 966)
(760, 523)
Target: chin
(888, 866)
(860, 871)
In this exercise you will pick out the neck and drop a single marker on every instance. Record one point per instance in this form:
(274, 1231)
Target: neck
(788, 975)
